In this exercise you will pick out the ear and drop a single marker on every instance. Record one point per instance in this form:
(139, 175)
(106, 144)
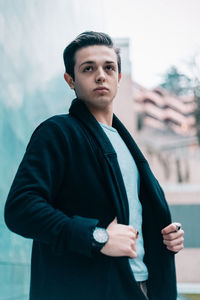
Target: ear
(69, 80)
(119, 78)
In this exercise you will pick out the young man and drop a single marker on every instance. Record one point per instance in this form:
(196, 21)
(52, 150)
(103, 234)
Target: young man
(84, 193)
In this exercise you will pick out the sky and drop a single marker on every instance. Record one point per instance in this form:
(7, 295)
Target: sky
(162, 33)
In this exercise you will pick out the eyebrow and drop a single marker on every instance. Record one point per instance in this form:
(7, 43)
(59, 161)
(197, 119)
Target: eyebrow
(93, 62)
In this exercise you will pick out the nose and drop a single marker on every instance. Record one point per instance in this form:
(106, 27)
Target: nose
(100, 75)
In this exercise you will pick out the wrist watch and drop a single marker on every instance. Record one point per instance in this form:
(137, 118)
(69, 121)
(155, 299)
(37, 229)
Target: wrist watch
(99, 238)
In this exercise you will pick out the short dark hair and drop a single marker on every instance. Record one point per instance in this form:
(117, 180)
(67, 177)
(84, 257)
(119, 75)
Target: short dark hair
(85, 39)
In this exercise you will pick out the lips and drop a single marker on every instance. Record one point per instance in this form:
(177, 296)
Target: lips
(101, 88)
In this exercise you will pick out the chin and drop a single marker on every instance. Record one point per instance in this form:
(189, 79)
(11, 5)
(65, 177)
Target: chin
(98, 102)
(103, 102)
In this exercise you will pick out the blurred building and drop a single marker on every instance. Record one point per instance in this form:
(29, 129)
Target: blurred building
(161, 110)
(163, 126)
(123, 104)
(166, 129)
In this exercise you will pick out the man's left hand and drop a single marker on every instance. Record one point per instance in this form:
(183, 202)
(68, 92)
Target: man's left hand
(173, 237)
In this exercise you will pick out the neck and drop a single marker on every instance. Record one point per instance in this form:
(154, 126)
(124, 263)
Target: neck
(104, 116)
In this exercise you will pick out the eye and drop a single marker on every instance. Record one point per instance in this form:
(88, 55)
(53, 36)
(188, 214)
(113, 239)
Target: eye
(87, 69)
(110, 68)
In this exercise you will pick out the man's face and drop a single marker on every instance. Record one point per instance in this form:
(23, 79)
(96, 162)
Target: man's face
(96, 76)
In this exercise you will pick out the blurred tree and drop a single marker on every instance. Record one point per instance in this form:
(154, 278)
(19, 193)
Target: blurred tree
(175, 82)
(179, 84)
(194, 66)
(197, 110)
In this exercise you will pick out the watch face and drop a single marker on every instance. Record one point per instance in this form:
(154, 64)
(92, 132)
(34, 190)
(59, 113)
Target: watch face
(100, 235)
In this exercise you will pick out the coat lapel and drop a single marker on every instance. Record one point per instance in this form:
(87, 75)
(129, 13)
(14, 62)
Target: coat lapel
(153, 191)
(110, 164)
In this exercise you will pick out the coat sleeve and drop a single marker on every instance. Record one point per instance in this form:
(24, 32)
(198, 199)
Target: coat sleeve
(29, 211)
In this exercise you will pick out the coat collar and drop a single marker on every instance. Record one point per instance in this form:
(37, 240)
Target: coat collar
(80, 111)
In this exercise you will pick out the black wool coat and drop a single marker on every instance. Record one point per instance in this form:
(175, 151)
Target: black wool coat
(68, 182)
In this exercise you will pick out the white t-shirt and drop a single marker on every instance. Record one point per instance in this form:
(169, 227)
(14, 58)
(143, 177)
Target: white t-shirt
(131, 180)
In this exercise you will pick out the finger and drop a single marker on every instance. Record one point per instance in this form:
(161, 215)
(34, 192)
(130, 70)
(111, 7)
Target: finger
(178, 226)
(133, 246)
(176, 248)
(132, 253)
(132, 235)
(175, 242)
(173, 227)
(173, 236)
(135, 231)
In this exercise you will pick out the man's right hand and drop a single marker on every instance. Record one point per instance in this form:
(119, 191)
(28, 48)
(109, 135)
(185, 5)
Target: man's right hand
(122, 240)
